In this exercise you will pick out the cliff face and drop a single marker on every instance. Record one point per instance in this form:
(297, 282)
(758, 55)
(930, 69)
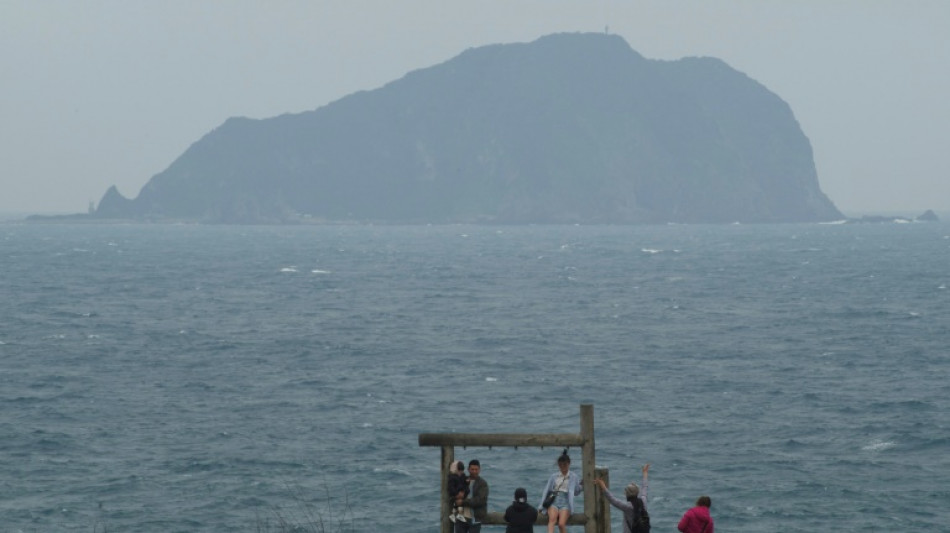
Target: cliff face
(569, 128)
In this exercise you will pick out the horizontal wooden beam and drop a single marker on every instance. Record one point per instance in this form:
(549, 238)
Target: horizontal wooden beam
(498, 519)
(500, 439)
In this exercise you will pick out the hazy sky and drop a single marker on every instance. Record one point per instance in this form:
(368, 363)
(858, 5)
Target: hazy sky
(96, 93)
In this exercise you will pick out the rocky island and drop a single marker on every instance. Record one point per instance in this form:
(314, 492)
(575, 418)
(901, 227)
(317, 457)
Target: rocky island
(570, 128)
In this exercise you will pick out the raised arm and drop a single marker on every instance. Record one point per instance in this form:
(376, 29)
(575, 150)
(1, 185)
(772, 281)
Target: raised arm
(646, 482)
(616, 502)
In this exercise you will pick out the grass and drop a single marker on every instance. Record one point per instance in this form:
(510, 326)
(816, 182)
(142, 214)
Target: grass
(305, 517)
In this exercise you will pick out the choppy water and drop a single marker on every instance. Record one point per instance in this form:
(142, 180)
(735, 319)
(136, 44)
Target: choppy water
(207, 379)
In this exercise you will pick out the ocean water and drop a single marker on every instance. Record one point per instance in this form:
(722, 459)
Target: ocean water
(211, 378)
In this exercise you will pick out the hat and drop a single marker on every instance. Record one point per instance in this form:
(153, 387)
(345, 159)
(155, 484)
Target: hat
(521, 495)
(632, 491)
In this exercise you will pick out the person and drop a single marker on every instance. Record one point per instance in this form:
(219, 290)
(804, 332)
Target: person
(635, 513)
(697, 519)
(565, 484)
(457, 488)
(476, 502)
(519, 515)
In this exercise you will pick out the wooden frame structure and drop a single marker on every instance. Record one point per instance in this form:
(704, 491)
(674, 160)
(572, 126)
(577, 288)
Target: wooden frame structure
(596, 515)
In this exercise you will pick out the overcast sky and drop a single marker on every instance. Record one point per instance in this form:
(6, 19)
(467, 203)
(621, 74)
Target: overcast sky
(96, 93)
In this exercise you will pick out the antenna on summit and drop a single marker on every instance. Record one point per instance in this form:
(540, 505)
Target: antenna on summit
(606, 30)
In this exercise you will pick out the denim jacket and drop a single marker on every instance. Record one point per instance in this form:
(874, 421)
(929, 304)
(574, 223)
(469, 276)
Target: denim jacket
(573, 488)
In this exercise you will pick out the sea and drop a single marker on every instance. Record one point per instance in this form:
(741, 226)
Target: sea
(192, 378)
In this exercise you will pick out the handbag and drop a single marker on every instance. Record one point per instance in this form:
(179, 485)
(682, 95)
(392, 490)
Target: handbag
(552, 494)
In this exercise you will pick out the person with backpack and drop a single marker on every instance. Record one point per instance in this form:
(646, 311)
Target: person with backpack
(635, 516)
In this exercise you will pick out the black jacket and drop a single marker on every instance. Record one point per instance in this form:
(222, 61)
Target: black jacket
(457, 484)
(520, 517)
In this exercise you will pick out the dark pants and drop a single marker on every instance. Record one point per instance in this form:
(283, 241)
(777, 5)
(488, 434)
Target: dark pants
(467, 527)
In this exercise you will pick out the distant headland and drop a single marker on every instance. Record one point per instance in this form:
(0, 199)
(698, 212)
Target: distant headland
(570, 128)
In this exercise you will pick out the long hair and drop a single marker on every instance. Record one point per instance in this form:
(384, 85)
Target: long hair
(637, 507)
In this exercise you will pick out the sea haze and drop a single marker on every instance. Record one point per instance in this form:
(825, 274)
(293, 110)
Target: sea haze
(215, 378)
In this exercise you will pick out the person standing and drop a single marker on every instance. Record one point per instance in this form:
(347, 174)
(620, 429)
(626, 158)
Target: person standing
(697, 519)
(476, 501)
(519, 515)
(564, 484)
(636, 519)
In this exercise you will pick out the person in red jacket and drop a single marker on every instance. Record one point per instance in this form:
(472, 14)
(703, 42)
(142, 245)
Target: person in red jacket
(697, 519)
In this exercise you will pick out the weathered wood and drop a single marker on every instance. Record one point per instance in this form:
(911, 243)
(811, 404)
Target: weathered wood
(588, 464)
(602, 511)
(514, 440)
(498, 519)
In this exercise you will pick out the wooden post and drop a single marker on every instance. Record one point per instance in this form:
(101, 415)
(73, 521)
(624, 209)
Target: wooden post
(588, 464)
(602, 511)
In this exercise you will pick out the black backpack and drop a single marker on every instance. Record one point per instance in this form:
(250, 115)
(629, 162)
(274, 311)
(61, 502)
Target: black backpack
(641, 518)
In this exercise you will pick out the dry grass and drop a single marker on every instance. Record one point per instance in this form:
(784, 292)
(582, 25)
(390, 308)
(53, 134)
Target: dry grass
(305, 517)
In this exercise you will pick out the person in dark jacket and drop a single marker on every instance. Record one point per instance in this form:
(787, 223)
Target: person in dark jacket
(519, 515)
(476, 501)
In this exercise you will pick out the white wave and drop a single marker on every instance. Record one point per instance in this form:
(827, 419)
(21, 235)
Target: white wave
(401, 471)
(650, 250)
(289, 269)
(835, 222)
(877, 446)
(318, 271)
(491, 379)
